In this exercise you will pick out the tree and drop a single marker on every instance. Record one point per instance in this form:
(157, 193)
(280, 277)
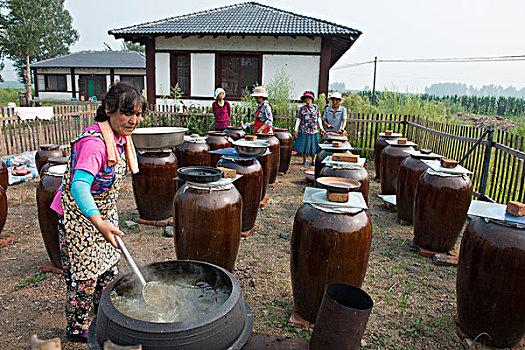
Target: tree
(34, 30)
(129, 46)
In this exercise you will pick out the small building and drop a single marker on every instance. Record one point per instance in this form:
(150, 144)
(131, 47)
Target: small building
(235, 47)
(84, 75)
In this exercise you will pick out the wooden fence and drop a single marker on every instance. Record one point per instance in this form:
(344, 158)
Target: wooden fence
(497, 163)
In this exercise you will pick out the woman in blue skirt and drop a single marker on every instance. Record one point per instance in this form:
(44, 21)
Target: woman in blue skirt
(307, 128)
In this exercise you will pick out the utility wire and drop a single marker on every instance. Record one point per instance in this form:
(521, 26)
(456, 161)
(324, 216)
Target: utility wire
(509, 58)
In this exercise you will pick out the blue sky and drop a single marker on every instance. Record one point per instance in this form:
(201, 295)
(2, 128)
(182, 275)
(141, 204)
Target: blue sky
(391, 29)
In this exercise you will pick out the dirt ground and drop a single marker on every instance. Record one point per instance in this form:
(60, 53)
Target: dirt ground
(414, 300)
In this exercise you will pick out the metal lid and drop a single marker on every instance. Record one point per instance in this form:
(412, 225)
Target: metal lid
(421, 155)
(199, 174)
(395, 144)
(57, 170)
(194, 138)
(494, 211)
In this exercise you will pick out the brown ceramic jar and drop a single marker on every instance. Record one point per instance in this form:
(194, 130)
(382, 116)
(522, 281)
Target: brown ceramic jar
(326, 248)
(379, 146)
(193, 152)
(52, 162)
(322, 156)
(45, 152)
(154, 185)
(409, 171)
(3, 208)
(358, 174)
(490, 283)
(217, 140)
(47, 218)
(285, 148)
(249, 186)
(4, 175)
(207, 225)
(440, 210)
(275, 157)
(265, 165)
(235, 132)
(391, 159)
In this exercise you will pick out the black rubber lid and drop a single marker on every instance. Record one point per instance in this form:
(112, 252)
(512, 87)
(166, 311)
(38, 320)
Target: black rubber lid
(199, 174)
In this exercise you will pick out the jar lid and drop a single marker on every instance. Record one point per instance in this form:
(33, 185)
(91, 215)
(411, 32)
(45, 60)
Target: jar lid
(494, 211)
(319, 198)
(395, 144)
(57, 170)
(195, 138)
(435, 166)
(423, 155)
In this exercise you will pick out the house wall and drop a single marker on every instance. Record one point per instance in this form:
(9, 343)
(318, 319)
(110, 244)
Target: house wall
(66, 96)
(237, 43)
(303, 70)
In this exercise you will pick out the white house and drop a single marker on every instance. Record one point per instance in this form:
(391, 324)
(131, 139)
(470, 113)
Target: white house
(234, 47)
(87, 74)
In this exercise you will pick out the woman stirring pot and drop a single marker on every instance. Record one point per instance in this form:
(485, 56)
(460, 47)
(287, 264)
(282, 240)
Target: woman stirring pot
(86, 203)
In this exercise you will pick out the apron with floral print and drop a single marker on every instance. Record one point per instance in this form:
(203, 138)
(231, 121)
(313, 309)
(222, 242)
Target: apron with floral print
(89, 252)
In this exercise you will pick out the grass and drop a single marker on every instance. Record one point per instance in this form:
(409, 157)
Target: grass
(32, 281)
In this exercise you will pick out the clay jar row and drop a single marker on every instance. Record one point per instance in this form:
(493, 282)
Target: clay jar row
(440, 209)
(327, 247)
(45, 152)
(50, 181)
(490, 282)
(391, 158)
(379, 146)
(249, 186)
(207, 224)
(217, 140)
(285, 148)
(154, 186)
(410, 170)
(275, 157)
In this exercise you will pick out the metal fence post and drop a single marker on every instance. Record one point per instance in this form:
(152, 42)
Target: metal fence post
(486, 164)
(404, 125)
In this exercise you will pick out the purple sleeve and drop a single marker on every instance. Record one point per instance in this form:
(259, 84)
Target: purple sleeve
(92, 155)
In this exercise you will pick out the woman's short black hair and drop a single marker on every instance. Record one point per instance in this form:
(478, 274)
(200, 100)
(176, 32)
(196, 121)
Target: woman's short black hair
(122, 97)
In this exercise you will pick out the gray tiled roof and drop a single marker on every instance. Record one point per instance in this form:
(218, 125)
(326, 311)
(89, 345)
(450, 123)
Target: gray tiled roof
(95, 59)
(245, 18)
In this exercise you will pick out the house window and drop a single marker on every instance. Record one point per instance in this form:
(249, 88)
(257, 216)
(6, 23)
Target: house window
(135, 80)
(180, 72)
(56, 82)
(237, 72)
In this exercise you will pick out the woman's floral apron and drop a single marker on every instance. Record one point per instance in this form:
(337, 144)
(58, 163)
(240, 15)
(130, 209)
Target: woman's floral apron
(89, 253)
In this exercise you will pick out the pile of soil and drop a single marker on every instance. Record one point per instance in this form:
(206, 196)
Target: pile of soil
(484, 121)
(414, 299)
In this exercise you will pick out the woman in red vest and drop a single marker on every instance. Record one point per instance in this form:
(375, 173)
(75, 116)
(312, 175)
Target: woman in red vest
(263, 115)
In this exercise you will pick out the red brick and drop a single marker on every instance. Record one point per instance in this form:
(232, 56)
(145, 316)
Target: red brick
(516, 208)
(449, 163)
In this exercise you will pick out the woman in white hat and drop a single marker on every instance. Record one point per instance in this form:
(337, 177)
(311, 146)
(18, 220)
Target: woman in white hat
(263, 115)
(221, 110)
(334, 117)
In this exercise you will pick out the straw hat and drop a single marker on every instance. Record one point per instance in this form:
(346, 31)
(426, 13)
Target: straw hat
(218, 91)
(259, 91)
(336, 95)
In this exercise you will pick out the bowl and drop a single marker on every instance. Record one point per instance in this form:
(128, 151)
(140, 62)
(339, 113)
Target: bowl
(158, 137)
(251, 148)
(310, 175)
(338, 184)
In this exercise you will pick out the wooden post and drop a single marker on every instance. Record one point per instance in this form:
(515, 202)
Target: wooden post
(374, 83)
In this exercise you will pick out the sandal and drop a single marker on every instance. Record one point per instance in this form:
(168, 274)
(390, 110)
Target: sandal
(313, 164)
(304, 163)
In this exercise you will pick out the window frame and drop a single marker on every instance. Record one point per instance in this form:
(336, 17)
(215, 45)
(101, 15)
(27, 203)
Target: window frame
(218, 72)
(174, 74)
(135, 76)
(46, 82)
